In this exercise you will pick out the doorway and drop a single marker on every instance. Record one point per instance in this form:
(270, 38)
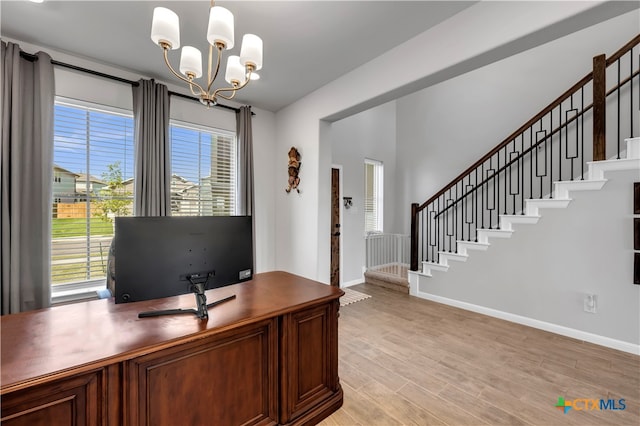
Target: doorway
(335, 226)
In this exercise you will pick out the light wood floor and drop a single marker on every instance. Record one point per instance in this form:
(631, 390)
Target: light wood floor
(408, 361)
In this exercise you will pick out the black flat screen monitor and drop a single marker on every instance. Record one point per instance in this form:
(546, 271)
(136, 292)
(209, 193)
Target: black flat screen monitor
(159, 257)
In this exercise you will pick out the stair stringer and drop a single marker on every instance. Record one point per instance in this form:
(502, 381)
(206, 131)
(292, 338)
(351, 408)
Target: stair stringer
(594, 181)
(419, 280)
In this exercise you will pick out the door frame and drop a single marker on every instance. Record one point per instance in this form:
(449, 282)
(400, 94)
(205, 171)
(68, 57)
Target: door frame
(340, 219)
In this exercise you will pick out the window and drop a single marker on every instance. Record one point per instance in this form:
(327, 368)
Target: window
(93, 166)
(203, 171)
(373, 196)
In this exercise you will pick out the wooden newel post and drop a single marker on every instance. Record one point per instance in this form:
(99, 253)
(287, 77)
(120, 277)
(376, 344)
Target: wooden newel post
(414, 237)
(599, 108)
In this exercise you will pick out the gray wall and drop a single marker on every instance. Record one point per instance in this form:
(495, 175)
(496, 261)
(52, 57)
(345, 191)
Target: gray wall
(544, 271)
(370, 134)
(445, 128)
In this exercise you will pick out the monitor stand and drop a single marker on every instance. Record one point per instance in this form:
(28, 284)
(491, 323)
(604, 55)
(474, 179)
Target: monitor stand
(202, 310)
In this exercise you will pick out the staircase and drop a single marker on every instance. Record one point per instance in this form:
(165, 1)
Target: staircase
(536, 167)
(594, 180)
(392, 278)
(573, 145)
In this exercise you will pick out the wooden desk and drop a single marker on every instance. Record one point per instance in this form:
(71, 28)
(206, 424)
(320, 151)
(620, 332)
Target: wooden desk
(270, 356)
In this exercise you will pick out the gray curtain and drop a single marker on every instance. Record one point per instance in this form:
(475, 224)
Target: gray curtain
(152, 184)
(26, 176)
(245, 161)
(244, 134)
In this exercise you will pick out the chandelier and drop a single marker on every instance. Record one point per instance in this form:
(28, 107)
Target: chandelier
(165, 32)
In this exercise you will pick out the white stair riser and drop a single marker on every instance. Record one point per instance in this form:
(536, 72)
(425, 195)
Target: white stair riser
(633, 147)
(445, 257)
(465, 246)
(597, 168)
(533, 206)
(428, 267)
(485, 234)
(562, 189)
(562, 199)
(507, 221)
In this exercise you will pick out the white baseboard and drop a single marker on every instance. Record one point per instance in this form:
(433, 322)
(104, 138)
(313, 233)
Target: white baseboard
(352, 282)
(542, 325)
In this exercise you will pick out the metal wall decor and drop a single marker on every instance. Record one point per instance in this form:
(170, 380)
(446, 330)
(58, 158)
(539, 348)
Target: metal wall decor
(293, 168)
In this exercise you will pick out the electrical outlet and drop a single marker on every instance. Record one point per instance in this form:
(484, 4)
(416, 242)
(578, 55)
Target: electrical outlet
(590, 303)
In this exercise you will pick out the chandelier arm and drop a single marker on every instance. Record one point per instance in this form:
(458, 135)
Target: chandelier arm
(193, 92)
(219, 47)
(186, 80)
(235, 88)
(229, 89)
(226, 97)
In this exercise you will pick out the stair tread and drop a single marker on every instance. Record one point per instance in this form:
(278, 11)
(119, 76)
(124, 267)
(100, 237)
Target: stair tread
(472, 243)
(579, 181)
(450, 253)
(547, 200)
(435, 266)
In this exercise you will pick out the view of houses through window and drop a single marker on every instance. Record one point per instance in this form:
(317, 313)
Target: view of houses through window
(203, 167)
(93, 182)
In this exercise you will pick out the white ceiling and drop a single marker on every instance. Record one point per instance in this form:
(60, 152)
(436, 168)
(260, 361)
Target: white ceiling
(306, 43)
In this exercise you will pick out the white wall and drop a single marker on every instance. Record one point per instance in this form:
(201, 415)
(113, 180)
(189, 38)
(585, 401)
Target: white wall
(79, 85)
(481, 34)
(370, 134)
(544, 271)
(445, 128)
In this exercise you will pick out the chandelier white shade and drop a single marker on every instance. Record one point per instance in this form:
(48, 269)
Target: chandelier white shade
(165, 32)
(251, 52)
(165, 27)
(191, 61)
(220, 27)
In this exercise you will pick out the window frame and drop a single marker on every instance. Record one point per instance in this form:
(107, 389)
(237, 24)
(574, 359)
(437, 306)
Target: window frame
(214, 131)
(378, 177)
(82, 290)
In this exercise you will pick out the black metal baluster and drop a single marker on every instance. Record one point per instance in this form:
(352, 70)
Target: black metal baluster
(534, 153)
(522, 174)
(559, 145)
(618, 103)
(424, 232)
(437, 248)
(582, 132)
(482, 198)
(514, 158)
(541, 143)
(574, 119)
(493, 193)
(475, 194)
(631, 114)
(550, 155)
(434, 237)
(505, 179)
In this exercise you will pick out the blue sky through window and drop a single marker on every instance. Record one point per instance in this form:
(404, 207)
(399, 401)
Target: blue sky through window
(86, 140)
(89, 140)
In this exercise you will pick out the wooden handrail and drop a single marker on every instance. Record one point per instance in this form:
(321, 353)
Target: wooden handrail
(532, 147)
(624, 49)
(617, 55)
(512, 136)
(598, 78)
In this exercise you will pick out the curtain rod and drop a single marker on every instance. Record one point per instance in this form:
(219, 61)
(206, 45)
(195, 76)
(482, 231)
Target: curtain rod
(32, 58)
